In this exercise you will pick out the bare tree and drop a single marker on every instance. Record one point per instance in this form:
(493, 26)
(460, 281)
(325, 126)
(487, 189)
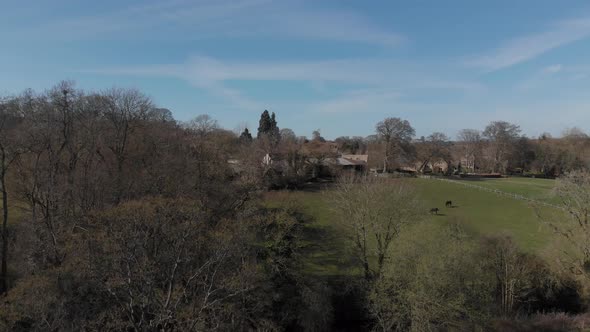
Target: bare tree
(316, 135)
(123, 109)
(375, 210)
(288, 135)
(160, 115)
(511, 268)
(202, 124)
(574, 133)
(471, 144)
(396, 134)
(164, 266)
(573, 192)
(435, 147)
(501, 135)
(9, 152)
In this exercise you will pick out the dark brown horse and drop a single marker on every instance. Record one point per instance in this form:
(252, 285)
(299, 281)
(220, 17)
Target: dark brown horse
(434, 210)
(449, 204)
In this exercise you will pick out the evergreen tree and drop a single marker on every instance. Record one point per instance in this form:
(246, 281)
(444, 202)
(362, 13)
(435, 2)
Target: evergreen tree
(265, 124)
(246, 137)
(274, 133)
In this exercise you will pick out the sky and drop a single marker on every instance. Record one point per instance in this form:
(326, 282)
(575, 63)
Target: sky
(335, 65)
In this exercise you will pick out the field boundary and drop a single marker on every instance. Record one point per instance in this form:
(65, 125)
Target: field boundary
(494, 191)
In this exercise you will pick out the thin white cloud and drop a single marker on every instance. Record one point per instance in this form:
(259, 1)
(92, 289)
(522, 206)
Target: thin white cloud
(361, 71)
(222, 18)
(553, 77)
(525, 48)
(380, 77)
(552, 69)
(358, 101)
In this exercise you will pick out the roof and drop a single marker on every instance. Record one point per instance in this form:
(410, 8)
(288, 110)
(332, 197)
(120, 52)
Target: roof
(362, 157)
(340, 161)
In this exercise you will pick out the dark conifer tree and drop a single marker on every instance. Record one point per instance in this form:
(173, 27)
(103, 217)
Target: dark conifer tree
(265, 124)
(274, 132)
(246, 137)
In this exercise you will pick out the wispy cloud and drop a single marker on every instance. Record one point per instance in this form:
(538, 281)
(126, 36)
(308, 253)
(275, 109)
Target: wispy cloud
(552, 69)
(377, 79)
(215, 18)
(357, 101)
(360, 71)
(525, 48)
(553, 77)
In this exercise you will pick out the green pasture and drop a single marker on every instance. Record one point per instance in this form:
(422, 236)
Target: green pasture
(479, 212)
(489, 213)
(538, 189)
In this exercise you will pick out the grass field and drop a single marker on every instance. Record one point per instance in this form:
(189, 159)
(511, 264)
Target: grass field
(538, 189)
(489, 213)
(480, 212)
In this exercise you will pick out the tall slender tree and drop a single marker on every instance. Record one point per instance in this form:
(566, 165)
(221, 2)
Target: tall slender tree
(9, 153)
(274, 132)
(265, 124)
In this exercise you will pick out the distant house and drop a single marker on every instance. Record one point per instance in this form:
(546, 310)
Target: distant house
(467, 164)
(350, 162)
(356, 157)
(439, 166)
(235, 165)
(332, 146)
(267, 160)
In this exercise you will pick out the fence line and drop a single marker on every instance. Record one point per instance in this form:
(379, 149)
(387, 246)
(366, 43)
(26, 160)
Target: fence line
(495, 191)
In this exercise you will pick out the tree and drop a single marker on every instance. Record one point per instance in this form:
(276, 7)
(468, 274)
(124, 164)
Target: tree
(573, 227)
(245, 136)
(123, 109)
(9, 153)
(172, 285)
(48, 170)
(202, 124)
(435, 282)
(268, 129)
(435, 148)
(353, 145)
(160, 115)
(501, 135)
(574, 133)
(397, 135)
(512, 270)
(274, 133)
(264, 125)
(522, 155)
(375, 211)
(288, 135)
(317, 136)
(471, 144)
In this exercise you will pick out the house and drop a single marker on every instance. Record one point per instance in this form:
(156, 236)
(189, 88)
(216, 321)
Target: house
(356, 157)
(467, 163)
(350, 162)
(439, 166)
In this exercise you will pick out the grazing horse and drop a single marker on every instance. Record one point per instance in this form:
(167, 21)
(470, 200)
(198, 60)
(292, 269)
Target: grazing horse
(449, 204)
(434, 211)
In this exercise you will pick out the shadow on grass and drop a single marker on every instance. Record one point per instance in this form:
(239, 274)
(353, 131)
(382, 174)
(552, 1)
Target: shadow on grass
(328, 258)
(317, 186)
(327, 252)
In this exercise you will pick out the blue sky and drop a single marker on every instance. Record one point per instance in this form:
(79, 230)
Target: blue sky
(339, 66)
